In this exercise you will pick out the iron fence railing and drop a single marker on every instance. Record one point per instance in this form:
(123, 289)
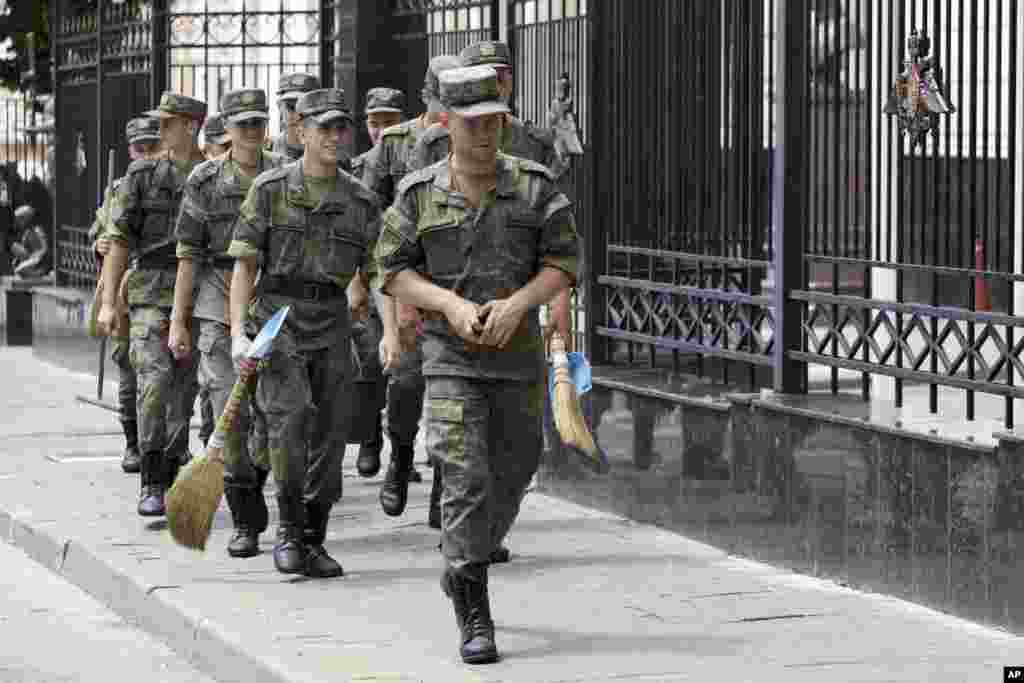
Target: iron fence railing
(76, 260)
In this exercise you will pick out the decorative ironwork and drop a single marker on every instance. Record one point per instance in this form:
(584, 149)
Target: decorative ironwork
(917, 98)
(248, 29)
(76, 261)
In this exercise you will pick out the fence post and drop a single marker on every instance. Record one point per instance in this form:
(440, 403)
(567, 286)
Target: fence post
(595, 234)
(789, 190)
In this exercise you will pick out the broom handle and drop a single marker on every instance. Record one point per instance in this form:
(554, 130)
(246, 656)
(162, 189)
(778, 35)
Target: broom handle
(229, 417)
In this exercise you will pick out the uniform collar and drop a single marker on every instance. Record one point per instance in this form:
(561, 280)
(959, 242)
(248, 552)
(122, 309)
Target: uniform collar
(334, 201)
(508, 176)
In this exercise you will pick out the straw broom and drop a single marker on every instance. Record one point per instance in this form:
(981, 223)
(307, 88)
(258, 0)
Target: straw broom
(569, 421)
(195, 496)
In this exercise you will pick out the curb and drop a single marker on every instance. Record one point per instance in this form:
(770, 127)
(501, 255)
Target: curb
(153, 609)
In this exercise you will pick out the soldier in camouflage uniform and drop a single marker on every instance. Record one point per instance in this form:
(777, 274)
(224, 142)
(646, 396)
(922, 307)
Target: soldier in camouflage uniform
(519, 139)
(291, 86)
(385, 165)
(494, 239)
(213, 195)
(384, 108)
(307, 229)
(143, 136)
(143, 217)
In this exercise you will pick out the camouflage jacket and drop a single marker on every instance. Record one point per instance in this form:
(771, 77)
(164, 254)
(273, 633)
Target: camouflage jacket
(295, 240)
(518, 139)
(526, 224)
(101, 222)
(142, 217)
(213, 194)
(386, 164)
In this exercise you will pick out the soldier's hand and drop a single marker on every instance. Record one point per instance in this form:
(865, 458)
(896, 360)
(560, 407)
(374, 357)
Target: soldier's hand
(408, 316)
(179, 341)
(103, 246)
(390, 352)
(503, 317)
(240, 346)
(358, 300)
(464, 317)
(106, 321)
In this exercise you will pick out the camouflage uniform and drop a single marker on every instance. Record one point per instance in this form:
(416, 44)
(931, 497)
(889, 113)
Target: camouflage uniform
(213, 195)
(289, 89)
(143, 218)
(309, 236)
(384, 167)
(484, 406)
(142, 129)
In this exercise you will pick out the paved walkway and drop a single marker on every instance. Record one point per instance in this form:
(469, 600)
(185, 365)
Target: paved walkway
(588, 597)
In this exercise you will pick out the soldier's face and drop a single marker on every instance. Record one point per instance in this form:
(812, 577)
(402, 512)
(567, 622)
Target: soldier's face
(141, 150)
(378, 121)
(213, 150)
(248, 135)
(326, 142)
(475, 137)
(176, 131)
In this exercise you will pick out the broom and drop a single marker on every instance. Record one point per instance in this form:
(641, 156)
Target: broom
(195, 495)
(569, 421)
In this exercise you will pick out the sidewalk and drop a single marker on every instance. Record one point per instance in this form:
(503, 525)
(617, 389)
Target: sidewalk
(587, 597)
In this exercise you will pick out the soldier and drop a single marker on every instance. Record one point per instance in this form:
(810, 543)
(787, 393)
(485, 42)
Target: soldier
(494, 239)
(143, 217)
(216, 140)
(384, 166)
(306, 229)
(143, 135)
(384, 108)
(289, 89)
(213, 195)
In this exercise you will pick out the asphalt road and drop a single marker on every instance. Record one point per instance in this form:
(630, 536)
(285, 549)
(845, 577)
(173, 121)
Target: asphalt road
(52, 632)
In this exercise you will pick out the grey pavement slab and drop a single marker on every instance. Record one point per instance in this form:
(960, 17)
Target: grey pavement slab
(587, 597)
(53, 632)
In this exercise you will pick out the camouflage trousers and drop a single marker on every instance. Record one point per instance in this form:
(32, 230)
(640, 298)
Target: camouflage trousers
(217, 377)
(487, 436)
(167, 388)
(370, 383)
(304, 397)
(405, 397)
(127, 387)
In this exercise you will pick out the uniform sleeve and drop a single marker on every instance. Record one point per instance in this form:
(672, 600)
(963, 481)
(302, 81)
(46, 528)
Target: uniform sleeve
(559, 240)
(190, 230)
(99, 222)
(126, 216)
(249, 240)
(376, 174)
(398, 247)
(373, 226)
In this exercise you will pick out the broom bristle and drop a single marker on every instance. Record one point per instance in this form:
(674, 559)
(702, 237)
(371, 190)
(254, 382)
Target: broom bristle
(573, 429)
(193, 500)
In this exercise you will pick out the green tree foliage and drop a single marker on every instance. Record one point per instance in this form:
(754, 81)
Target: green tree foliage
(24, 17)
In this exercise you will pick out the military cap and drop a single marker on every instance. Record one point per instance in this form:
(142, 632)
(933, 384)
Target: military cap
(431, 91)
(292, 86)
(323, 106)
(472, 91)
(173, 104)
(142, 129)
(244, 105)
(492, 52)
(213, 130)
(385, 100)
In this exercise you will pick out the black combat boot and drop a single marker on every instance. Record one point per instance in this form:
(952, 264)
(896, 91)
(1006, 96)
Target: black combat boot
(131, 461)
(368, 462)
(151, 499)
(319, 565)
(245, 541)
(289, 552)
(434, 511)
(395, 492)
(468, 593)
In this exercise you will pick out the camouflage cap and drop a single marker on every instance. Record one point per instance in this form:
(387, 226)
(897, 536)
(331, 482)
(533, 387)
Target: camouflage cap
(492, 52)
(431, 93)
(213, 130)
(244, 104)
(173, 104)
(472, 91)
(142, 129)
(292, 86)
(385, 100)
(323, 106)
